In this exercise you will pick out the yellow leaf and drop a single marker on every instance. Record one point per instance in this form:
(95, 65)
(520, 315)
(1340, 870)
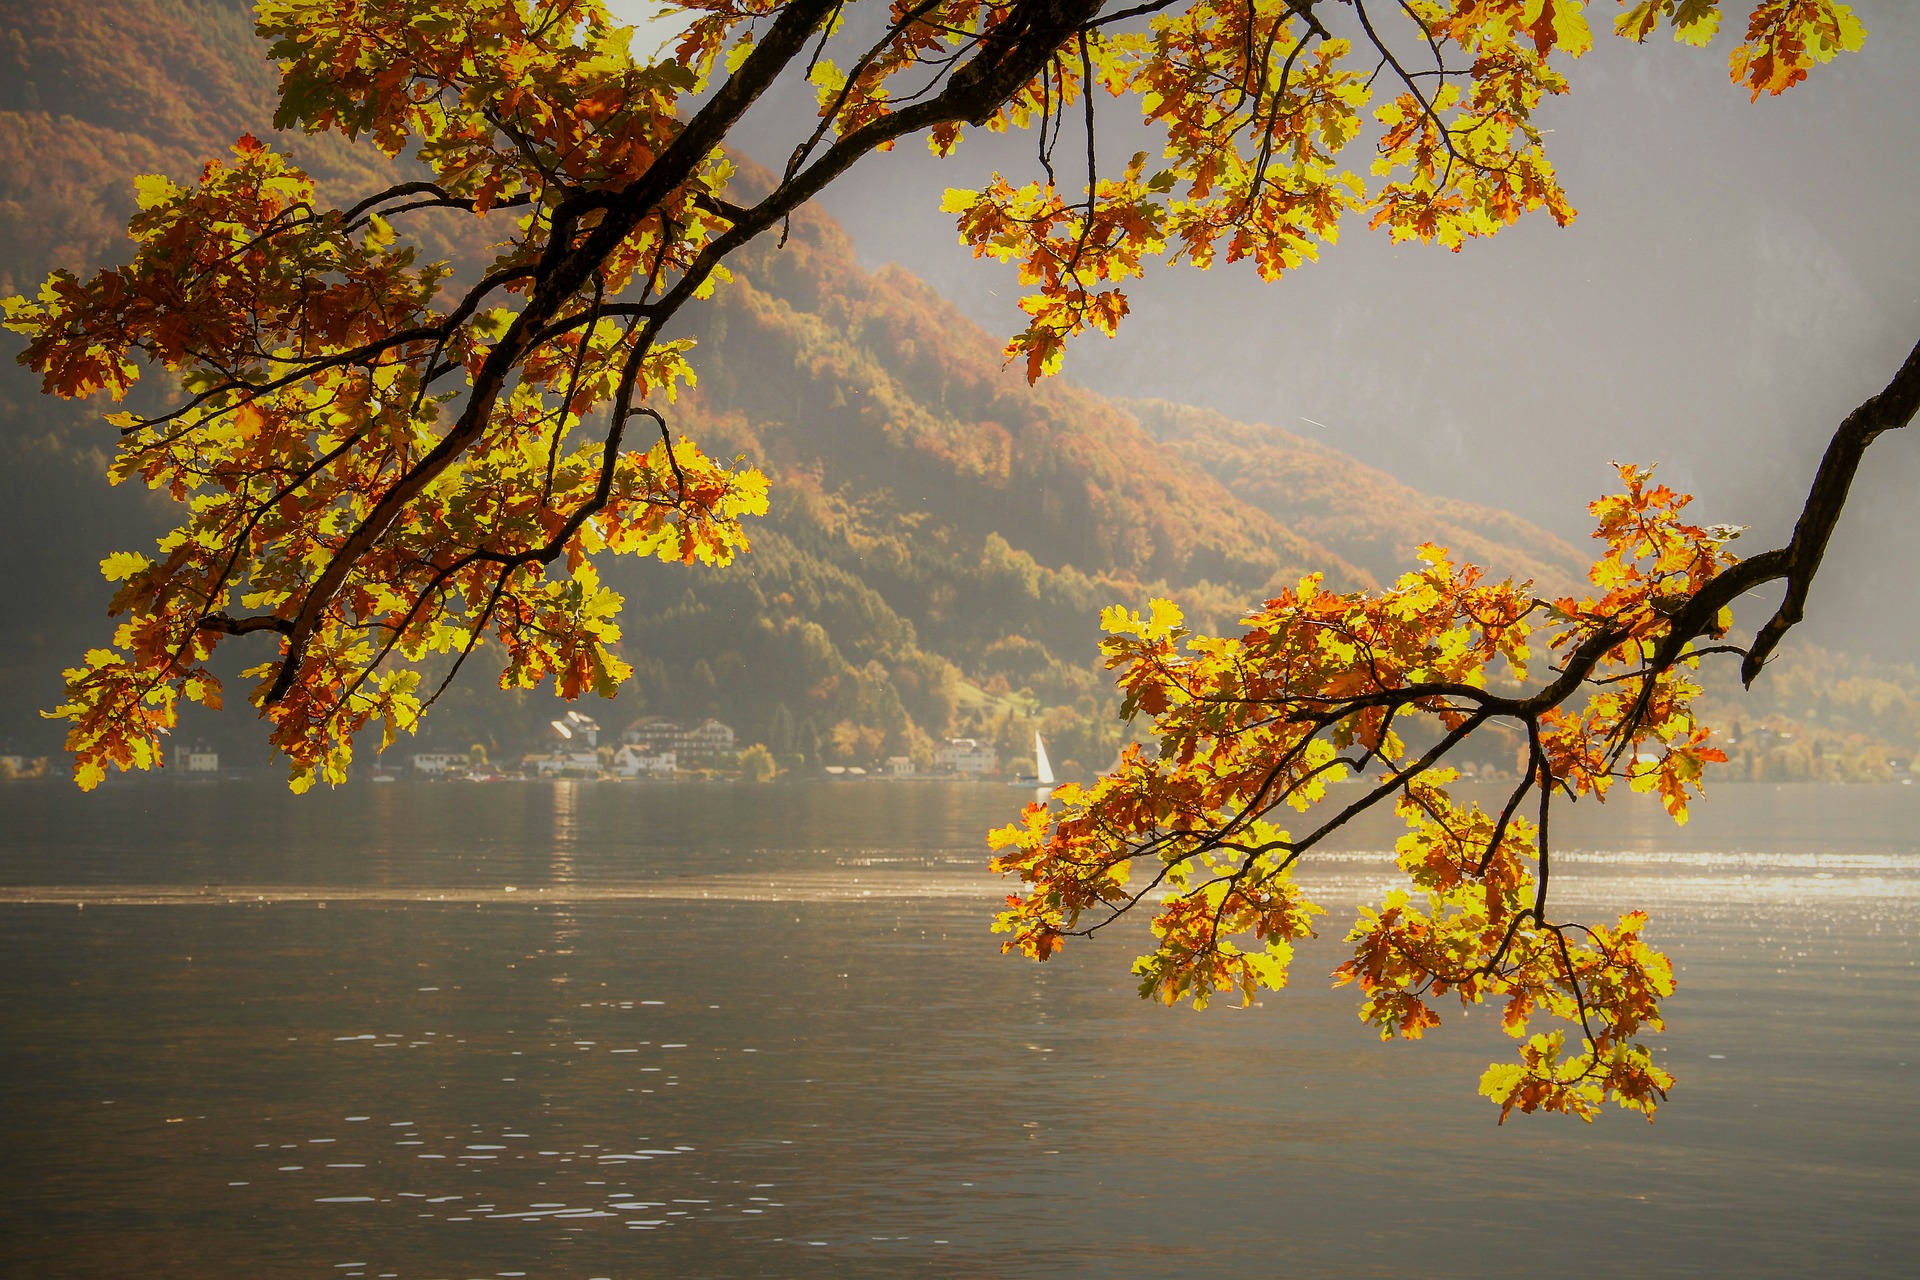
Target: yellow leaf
(1695, 22)
(151, 190)
(122, 565)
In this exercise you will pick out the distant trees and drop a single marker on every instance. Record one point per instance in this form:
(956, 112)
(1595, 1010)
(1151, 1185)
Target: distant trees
(780, 730)
(383, 464)
(807, 742)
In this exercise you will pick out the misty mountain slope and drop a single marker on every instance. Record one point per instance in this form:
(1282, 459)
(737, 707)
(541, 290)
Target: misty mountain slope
(92, 93)
(923, 395)
(1359, 512)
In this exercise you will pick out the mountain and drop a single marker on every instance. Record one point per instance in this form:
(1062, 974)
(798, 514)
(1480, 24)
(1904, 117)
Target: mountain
(1357, 512)
(942, 535)
(92, 94)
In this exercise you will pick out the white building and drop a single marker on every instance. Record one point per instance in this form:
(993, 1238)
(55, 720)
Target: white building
(709, 738)
(202, 760)
(653, 733)
(635, 762)
(437, 764)
(900, 766)
(559, 763)
(657, 734)
(968, 756)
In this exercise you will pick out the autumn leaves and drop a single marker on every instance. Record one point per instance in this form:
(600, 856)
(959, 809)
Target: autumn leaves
(1255, 103)
(1377, 688)
(314, 445)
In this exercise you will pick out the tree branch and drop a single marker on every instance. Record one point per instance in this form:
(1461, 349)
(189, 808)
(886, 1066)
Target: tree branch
(1894, 407)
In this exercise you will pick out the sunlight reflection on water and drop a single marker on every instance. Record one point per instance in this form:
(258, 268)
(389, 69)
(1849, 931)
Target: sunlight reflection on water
(727, 1032)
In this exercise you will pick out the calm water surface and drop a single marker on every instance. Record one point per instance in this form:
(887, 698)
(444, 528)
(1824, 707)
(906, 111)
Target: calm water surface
(559, 1030)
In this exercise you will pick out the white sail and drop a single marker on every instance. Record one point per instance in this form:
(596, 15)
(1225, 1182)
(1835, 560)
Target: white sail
(1040, 760)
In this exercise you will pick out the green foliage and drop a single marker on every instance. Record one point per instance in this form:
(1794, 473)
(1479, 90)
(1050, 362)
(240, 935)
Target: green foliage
(780, 731)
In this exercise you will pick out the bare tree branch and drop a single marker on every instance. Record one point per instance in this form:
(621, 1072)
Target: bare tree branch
(1894, 407)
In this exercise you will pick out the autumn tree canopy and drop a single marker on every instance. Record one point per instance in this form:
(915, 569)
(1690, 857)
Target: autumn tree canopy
(385, 462)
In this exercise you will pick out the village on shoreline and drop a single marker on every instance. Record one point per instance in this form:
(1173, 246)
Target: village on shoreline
(662, 749)
(575, 747)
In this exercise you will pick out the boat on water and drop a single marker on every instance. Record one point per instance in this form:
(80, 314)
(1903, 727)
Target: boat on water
(1042, 779)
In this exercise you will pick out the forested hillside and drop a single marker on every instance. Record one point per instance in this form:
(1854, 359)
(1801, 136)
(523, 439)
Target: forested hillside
(942, 536)
(1356, 511)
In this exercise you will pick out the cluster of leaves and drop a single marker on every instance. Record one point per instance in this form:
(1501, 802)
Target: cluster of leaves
(1258, 100)
(335, 489)
(1785, 38)
(1320, 687)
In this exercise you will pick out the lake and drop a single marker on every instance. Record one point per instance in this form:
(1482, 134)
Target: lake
(595, 1030)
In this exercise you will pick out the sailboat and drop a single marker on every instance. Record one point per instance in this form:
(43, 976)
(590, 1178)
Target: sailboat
(1044, 778)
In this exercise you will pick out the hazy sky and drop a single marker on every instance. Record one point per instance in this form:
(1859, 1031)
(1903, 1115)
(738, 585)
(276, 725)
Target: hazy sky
(1740, 275)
